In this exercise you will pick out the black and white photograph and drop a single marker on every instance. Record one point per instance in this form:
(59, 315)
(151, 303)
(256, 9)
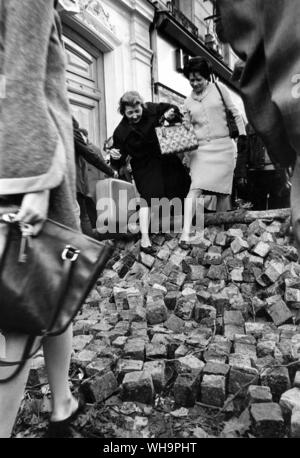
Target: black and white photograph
(149, 223)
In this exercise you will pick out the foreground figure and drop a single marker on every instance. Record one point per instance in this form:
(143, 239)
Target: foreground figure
(37, 173)
(266, 36)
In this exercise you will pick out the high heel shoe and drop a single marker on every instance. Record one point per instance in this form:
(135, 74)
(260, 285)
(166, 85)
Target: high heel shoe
(148, 250)
(63, 428)
(185, 245)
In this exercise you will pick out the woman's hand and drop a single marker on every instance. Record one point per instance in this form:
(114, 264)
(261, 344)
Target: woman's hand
(34, 209)
(241, 184)
(115, 154)
(170, 114)
(186, 124)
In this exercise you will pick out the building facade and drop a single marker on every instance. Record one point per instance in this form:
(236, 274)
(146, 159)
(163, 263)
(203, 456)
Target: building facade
(183, 29)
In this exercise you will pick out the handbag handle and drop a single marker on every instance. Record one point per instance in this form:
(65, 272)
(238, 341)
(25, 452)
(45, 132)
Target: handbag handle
(164, 129)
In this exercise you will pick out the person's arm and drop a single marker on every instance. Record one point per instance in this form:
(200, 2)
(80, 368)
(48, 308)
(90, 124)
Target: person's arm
(187, 119)
(118, 144)
(102, 165)
(167, 110)
(232, 107)
(34, 209)
(89, 153)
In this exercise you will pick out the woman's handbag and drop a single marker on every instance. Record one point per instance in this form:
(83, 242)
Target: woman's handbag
(44, 279)
(176, 139)
(231, 122)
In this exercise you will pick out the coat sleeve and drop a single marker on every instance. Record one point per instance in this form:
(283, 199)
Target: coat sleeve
(232, 107)
(162, 108)
(90, 154)
(119, 144)
(35, 143)
(186, 113)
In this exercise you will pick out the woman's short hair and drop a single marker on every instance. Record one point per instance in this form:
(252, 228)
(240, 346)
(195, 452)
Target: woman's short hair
(198, 65)
(131, 99)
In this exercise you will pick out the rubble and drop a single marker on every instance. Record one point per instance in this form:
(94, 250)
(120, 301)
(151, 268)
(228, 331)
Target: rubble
(206, 325)
(186, 389)
(138, 386)
(267, 420)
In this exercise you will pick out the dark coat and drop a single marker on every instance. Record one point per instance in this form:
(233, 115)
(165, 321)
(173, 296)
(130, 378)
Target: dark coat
(155, 175)
(266, 35)
(87, 152)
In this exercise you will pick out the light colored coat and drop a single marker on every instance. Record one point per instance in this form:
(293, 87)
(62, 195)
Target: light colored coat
(207, 113)
(36, 134)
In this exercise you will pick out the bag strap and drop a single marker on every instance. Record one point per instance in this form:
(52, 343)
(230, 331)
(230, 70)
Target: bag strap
(27, 353)
(222, 96)
(25, 357)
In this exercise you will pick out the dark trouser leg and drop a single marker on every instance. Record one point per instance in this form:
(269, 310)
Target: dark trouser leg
(91, 210)
(258, 190)
(85, 221)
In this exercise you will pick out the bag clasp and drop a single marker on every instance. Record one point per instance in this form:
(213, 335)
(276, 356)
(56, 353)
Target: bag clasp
(70, 253)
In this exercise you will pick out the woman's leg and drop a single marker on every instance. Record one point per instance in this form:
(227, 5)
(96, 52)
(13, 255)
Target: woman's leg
(11, 393)
(223, 203)
(57, 352)
(144, 215)
(189, 212)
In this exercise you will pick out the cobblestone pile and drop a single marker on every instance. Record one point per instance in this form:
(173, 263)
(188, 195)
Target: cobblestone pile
(216, 325)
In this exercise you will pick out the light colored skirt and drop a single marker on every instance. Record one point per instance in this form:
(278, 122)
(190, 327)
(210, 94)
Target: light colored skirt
(212, 165)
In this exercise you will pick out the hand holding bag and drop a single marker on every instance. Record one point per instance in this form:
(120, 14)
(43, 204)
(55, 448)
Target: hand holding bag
(176, 139)
(45, 279)
(231, 122)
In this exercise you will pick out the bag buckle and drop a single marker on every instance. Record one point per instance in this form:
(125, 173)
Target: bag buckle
(70, 253)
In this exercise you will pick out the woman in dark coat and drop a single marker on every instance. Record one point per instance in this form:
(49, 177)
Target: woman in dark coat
(156, 176)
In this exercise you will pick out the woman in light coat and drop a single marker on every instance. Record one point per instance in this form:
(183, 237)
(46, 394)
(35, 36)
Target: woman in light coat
(212, 164)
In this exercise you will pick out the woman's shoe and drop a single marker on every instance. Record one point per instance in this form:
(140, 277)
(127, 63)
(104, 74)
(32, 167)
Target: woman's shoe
(148, 250)
(184, 245)
(63, 428)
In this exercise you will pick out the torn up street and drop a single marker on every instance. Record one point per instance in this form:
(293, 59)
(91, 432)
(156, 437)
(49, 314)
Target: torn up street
(188, 344)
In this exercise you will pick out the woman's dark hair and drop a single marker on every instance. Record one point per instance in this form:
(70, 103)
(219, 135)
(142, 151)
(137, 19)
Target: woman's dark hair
(198, 65)
(131, 99)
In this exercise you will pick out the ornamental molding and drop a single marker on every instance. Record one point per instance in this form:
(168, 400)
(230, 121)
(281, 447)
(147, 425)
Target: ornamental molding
(96, 8)
(141, 53)
(94, 23)
(141, 8)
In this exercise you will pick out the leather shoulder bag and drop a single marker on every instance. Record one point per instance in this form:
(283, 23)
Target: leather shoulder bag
(231, 122)
(44, 279)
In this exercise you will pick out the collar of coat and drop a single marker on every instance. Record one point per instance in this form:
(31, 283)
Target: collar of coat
(124, 129)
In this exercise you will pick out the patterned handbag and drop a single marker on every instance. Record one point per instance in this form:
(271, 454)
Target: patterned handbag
(176, 139)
